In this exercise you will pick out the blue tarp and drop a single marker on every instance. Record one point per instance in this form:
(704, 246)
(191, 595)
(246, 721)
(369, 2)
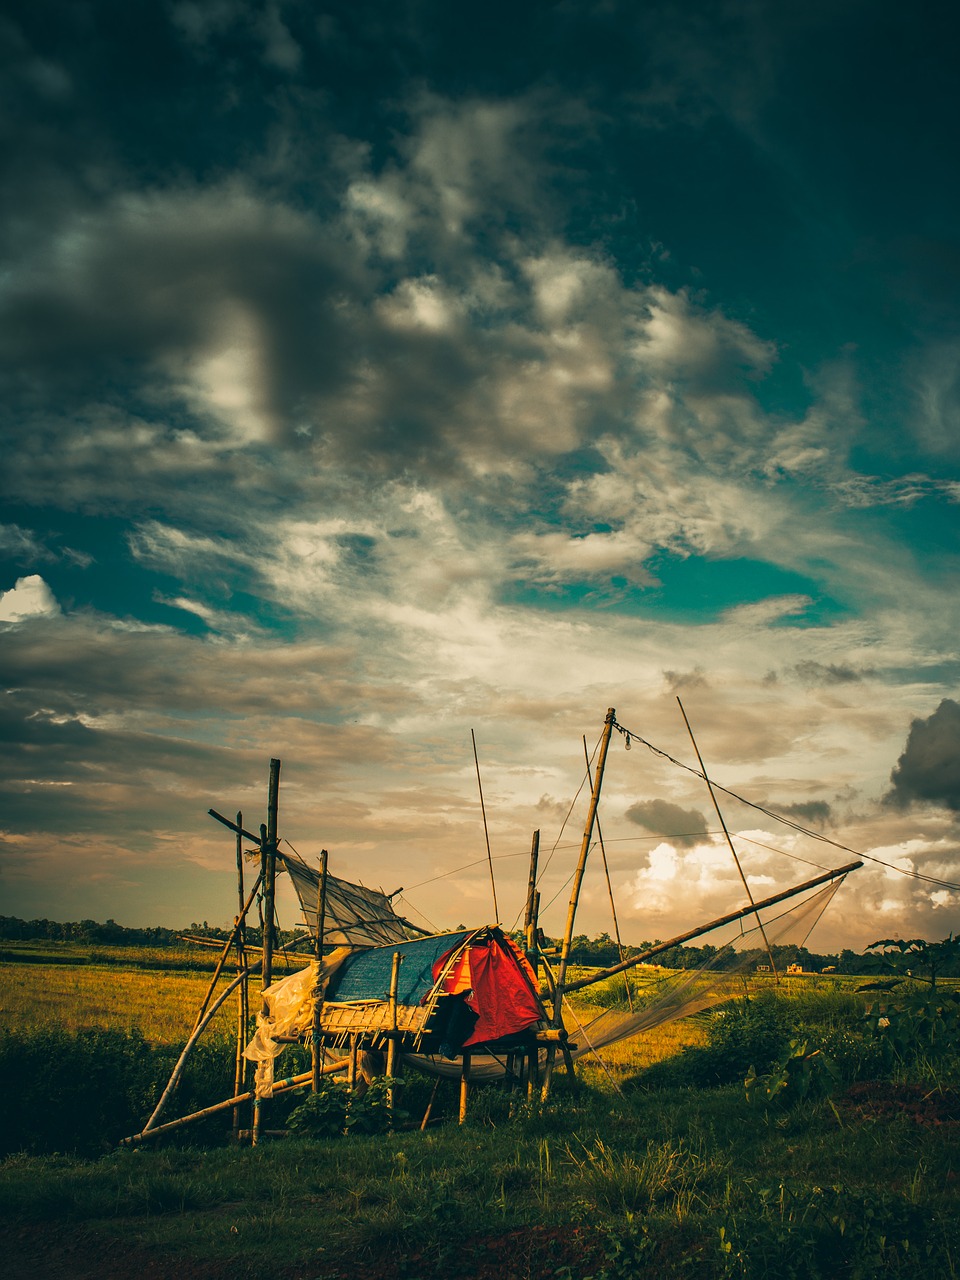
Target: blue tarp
(366, 975)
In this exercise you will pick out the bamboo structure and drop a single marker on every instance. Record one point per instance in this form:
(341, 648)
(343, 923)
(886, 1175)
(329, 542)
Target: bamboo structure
(581, 866)
(359, 1023)
(732, 916)
(315, 1039)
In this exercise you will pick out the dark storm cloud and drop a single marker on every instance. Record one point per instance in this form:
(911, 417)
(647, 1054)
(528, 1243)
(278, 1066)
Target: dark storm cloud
(814, 813)
(682, 827)
(929, 768)
(137, 291)
(820, 673)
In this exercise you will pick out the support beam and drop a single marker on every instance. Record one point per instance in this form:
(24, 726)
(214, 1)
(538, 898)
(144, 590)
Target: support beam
(707, 928)
(581, 865)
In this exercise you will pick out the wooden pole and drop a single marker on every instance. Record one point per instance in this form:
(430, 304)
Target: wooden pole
(716, 805)
(464, 1087)
(529, 918)
(268, 854)
(230, 942)
(606, 872)
(280, 1086)
(433, 1097)
(581, 865)
(315, 1048)
(392, 1042)
(270, 871)
(706, 928)
(486, 833)
(181, 1061)
(242, 1028)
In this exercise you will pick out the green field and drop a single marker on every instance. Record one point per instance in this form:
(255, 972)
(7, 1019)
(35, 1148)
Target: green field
(659, 1164)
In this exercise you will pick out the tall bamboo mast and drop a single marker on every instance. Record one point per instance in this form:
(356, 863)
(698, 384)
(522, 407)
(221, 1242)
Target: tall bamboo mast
(269, 851)
(730, 844)
(318, 991)
(581, 865)
(242, 992)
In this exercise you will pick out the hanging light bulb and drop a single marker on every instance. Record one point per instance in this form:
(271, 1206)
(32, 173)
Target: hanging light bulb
(627, 742)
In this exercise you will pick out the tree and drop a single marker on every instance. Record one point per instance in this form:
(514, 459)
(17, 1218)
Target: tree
(907, 955)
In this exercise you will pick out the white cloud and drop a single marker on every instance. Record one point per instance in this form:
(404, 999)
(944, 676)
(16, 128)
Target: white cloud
(30, 597)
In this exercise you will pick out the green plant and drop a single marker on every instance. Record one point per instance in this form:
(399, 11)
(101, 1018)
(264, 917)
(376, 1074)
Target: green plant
(801, 1073)
(322, 1114)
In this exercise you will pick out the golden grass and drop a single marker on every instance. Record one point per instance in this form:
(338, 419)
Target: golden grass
(161, 1004)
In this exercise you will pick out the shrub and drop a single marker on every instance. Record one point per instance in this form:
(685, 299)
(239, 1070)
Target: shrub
(81, 1092)
(749, 1033)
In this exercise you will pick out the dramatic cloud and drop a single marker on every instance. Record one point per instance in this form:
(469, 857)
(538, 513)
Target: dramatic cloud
(684, 828)
(369, 377)
(929, 768)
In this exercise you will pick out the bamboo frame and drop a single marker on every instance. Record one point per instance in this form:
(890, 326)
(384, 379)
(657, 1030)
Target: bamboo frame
(582, 864)
(706, 928)
(280, 1086)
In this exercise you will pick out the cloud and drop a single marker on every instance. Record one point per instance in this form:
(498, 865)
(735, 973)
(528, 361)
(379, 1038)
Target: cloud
(684, 828)
(30, 597)
(928, 770)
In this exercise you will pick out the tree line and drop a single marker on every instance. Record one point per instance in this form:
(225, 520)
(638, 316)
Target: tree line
(600, 952)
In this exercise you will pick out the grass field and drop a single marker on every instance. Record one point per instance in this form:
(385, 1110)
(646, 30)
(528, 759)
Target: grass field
(655, 1168)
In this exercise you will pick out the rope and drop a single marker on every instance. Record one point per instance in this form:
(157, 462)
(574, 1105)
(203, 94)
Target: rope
(778, 817)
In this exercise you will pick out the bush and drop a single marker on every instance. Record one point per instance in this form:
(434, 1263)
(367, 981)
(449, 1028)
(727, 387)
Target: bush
(82, 1092)
(750, 1033)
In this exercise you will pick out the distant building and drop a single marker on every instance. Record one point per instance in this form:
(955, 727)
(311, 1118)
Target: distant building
(794, 968)
(763, 968)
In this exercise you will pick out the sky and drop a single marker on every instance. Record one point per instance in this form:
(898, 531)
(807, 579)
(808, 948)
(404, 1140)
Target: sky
(374, 374)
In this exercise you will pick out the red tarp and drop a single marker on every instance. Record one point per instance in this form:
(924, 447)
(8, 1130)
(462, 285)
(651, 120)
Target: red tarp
(499, 989)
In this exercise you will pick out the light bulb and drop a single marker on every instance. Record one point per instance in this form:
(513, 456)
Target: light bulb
(627, 742)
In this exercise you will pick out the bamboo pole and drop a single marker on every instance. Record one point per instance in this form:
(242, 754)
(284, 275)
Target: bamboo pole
(268, 856)
(230, 942)
(706, 928)
(269, 849)
(486, 833)
(280, 1086)
(181, 1061)
(529, 917)
(315, 1052)
(581, 865)
(606, 872)
(392, 1042)
(716, 805)
(433, 1097)
(464, 1087)
(242, 1013)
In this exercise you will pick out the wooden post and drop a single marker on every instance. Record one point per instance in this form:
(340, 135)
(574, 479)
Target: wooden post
(529, 918)
(268, 854)
(315, 1050)
(464, 1086)
(548, 1074)
(581, 867)
(433, 1097)
(392, 1042)
(270, 871)
(533, 1073)
(606, 872)
(242, 1028)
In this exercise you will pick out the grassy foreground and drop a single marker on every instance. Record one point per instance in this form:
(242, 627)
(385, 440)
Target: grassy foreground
(660, 1166)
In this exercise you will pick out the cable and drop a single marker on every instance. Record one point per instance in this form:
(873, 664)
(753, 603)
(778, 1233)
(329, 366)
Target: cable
(778, 817)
